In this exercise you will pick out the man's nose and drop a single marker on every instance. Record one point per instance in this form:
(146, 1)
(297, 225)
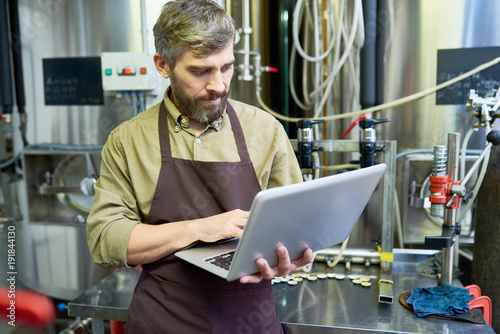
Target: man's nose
(216, 83)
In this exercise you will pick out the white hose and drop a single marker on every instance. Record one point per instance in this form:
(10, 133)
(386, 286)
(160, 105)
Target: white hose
(308, 20)
(295, 34)
(339, 255)
(358, 11)
(303, 105)
(480, 178)
(398, 102)
(332, 39)
(306, 105)
(317, 46)
(331, 77)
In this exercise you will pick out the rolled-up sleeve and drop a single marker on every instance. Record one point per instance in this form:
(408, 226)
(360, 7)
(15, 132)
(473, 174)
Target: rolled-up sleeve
(114, 210)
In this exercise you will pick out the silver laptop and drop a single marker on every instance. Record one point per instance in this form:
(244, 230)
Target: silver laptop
(314, 214)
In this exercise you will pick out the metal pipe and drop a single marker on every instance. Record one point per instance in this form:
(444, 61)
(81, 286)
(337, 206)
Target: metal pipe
(246, 32)
(386, 292)
(144, 26)
(356, 255)
(450, 215)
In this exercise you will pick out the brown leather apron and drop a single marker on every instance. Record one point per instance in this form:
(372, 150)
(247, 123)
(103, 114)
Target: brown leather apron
(173, 296)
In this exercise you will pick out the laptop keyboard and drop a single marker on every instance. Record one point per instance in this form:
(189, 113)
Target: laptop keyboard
(222, 260)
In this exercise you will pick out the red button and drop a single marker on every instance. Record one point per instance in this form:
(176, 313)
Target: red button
(143, 70)
(127, 70)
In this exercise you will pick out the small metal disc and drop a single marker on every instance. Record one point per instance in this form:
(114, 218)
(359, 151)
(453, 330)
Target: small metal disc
(366, 284)
(292, 282)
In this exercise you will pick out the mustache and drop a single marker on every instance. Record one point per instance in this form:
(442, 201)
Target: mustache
(212, 96)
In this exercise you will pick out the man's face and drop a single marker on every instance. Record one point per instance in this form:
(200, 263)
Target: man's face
(200, 85)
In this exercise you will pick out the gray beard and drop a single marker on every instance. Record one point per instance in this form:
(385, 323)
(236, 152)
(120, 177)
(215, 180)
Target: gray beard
(203, 114)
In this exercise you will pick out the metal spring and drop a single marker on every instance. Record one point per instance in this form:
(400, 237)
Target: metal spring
(439, 165)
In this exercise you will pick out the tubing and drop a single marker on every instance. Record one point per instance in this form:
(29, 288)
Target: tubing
(475, 191)
(339, 255)
(6, 94)
(306, 105)
(17, 59)
(368, 55)
(333, 37)
(350, 43)
(295, 35)
(398, 102)
(382, 7)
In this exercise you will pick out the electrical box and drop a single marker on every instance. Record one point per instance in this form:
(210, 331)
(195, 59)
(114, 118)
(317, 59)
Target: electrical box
(125, 71)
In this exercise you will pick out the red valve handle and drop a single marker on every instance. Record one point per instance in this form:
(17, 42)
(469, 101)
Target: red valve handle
(270, 69)
(356, 121)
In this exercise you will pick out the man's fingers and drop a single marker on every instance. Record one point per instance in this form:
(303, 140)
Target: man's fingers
(284, 263)
(256, 278)
(284, 267)
(306, 258)
(265, 270)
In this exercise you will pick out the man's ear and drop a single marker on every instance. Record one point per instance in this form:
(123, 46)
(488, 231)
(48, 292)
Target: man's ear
(161, 66)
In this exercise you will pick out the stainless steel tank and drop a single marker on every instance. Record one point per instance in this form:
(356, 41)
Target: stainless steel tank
(52, 235)
(416, 31)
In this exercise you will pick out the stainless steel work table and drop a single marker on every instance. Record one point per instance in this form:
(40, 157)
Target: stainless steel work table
(313, 307)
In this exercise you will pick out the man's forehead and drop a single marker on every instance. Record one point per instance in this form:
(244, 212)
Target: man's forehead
(217, 58)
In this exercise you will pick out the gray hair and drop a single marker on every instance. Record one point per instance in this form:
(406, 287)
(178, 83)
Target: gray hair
(200, 26)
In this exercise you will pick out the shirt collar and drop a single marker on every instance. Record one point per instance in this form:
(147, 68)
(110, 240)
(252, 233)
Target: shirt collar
(182, 122)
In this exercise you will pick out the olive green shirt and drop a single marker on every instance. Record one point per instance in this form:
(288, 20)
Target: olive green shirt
(131, 162)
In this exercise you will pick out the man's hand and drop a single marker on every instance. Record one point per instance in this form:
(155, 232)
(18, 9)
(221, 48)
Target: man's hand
(222, 226)
(284, 267)
(148, 243)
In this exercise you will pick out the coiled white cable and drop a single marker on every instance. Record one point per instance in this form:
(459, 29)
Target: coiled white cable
(295, 34)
